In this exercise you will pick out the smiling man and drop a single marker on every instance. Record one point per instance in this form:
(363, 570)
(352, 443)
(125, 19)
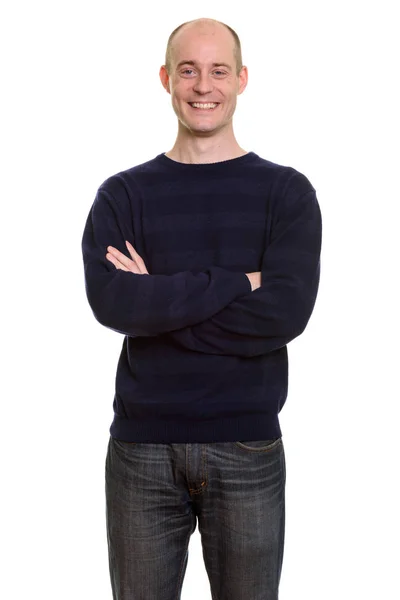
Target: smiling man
(204, 75)
(207, 259)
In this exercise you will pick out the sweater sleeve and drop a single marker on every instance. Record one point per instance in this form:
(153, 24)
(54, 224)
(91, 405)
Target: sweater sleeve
(277, 312)
(146, 305)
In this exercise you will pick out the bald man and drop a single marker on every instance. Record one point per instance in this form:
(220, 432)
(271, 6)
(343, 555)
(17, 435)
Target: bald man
(207, 259)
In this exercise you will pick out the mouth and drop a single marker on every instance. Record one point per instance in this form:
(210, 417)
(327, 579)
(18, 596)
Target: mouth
(204, 107)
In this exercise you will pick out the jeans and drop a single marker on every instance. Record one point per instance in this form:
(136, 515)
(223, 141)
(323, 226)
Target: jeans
(155, 491)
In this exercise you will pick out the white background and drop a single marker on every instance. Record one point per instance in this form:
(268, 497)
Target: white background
(82, 100)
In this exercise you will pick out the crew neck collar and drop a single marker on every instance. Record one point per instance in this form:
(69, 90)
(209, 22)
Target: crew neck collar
(231, 162)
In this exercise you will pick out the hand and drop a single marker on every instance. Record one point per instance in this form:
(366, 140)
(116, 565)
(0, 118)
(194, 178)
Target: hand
(255, 280)
(119, 260)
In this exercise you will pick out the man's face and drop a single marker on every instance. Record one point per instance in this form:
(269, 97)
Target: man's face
(203, 70)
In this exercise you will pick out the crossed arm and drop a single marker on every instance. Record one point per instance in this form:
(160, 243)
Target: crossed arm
(284, 295)
(136, 264)
(217, 311)
(206, 337)
(152, 305)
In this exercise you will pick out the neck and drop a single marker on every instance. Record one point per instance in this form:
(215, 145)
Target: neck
(184, 156)
(191, 149)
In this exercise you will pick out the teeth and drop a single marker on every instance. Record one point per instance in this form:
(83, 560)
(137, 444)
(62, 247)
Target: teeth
(199, 105)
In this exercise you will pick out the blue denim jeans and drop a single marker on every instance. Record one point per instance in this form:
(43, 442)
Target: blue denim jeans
(155, 491)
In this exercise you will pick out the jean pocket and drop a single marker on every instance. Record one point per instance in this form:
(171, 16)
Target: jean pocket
(259, 445)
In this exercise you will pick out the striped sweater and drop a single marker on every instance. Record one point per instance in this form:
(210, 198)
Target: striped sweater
(203, 358)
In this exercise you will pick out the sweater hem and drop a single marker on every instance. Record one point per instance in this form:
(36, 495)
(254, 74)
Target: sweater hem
(242, 428)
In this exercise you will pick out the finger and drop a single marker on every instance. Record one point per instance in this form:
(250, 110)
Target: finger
(116, 262)
(122, 262)
(133, 253)
(136, 257)
(121, 257)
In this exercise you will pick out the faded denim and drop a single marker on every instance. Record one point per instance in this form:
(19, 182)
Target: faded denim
(155, 495)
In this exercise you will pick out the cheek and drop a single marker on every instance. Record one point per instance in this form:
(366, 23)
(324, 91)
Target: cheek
(178, 96)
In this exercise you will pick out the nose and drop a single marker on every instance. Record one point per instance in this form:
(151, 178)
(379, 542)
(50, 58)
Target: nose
(202, 84)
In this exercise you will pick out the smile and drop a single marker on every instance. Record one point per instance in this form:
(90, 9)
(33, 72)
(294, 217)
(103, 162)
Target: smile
(210, 106)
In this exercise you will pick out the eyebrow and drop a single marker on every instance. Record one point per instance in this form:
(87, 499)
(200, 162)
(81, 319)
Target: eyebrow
(193, 63)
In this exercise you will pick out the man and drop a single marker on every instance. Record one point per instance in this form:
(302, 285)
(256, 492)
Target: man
(207, 259)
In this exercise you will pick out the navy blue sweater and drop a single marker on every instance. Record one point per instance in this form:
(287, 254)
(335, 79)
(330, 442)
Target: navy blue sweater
(204, 358)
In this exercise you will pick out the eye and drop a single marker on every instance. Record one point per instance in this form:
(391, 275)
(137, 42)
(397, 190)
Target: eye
(185, 71)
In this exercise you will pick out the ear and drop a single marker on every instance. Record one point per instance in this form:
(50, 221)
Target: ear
(164, 77)
(243, 79)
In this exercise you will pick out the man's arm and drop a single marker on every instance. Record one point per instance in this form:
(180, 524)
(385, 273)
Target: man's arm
(278, 311)
(146, 305)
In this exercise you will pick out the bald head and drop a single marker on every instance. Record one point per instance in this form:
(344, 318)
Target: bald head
(203, 27)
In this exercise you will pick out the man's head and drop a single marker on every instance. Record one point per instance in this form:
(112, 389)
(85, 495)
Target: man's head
(203, 63)
(202, 23)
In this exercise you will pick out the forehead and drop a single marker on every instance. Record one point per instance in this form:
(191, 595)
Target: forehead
(203, 45)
